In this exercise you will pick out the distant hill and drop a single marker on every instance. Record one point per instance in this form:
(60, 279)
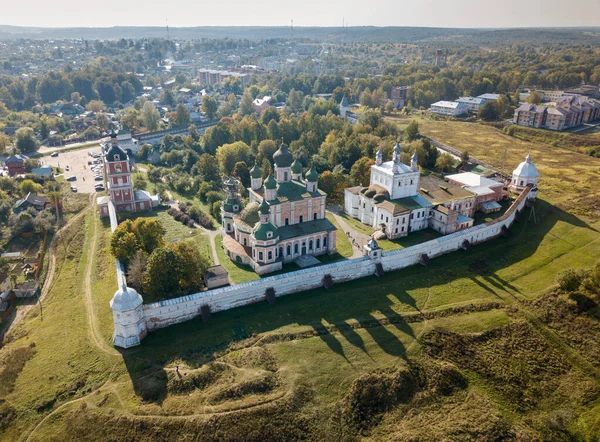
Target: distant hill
(333, 34)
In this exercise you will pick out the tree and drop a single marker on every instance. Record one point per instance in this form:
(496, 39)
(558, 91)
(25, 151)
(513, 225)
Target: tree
(444, 162)
(28, 186)
(31, 163)
(135, 270)
(246, 106)
(488, 111)
(332, 183)
(360, 173)
(208, 168)
(266, 167)
(464, 158)
(183, 115)
(149, 233)
(123, 244)
(534, 98)
(26, 141)
(412, 131)
(102, 121)
(229, 154)
(150, 116)
(96, 106)
(44, 130)
(139, 182)
(241, 171)
(192, 265)
(389, 107)
(167, 97)
(209, 106)
(162, 275)
(266, 149)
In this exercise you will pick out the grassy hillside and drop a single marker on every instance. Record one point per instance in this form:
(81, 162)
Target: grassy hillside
(478, 346)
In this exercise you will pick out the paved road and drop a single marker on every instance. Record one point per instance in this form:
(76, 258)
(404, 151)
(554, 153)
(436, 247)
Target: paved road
(46, 149)
(77, 160)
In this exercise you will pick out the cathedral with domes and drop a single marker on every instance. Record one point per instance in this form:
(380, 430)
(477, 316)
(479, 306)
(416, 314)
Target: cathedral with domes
(283, 221)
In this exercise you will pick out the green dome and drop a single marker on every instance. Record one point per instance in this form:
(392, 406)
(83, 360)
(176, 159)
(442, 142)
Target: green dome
(250, 214)
(312, 176)
(256, 171)
(283, 157)
(297, 167)
(229, 203)
(261, 231)
(270, 182)
(264, 207)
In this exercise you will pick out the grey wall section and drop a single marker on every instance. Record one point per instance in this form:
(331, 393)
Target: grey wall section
(172, 311)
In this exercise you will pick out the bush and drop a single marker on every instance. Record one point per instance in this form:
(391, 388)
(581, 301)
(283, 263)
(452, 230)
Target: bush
(570, 280)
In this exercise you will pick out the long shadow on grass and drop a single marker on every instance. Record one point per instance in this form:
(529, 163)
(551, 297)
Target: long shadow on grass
(193, 342)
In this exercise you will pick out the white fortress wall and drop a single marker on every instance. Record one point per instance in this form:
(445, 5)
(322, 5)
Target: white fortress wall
(172, 311)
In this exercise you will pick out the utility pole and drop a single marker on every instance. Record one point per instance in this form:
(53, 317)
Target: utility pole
(168, 36)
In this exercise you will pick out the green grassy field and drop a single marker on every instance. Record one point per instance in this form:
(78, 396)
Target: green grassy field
(455, 353)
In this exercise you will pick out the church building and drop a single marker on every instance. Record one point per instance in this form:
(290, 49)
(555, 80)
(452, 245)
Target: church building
(284, 220)
(119, 185)
(398, 200)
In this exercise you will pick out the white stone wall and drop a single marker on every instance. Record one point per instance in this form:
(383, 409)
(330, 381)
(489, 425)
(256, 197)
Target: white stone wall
(172, 311)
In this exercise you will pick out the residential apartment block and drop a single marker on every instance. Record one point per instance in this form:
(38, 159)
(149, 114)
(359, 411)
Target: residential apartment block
(569, 111)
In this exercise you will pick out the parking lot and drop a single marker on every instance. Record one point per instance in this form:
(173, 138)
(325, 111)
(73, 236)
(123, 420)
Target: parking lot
(77, 161)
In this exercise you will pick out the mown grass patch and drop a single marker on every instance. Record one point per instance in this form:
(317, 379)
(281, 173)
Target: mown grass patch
(342, 243)
(238, 273)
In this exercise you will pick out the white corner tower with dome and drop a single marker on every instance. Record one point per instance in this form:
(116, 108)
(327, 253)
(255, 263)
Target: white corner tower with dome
(128, 316)
(526, 173)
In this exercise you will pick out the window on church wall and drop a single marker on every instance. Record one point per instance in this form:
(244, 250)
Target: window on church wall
(315, 216)
(318, 243)
(324, 241)
(260, 256)
(289, 250)
(310, 245)
(245, 241)
(300, 219)
(296, 248)
(270, 255)
(403, 229)
(396, 230)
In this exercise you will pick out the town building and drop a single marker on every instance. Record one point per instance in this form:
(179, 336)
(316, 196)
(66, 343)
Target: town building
(216, 276)
(565, 112)
(400, 96)
(452, 108)
(474, 103)
(489, 97)
(488, 192)
(283, 222)
(16, 164)
(212, 76)
(260, 104)
(119, 184)
(398, 200)
(32, 200)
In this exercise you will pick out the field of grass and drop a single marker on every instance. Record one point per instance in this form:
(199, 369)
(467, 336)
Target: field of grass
(444, 352)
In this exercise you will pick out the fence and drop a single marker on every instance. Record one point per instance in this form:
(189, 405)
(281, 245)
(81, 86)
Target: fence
(172, 311)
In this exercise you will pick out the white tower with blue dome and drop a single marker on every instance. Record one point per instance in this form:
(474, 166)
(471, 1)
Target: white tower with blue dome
(128, 316)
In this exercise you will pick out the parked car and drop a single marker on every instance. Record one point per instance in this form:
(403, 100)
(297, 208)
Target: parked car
(71, 178)
(99, 187)
(73, 188)
(98, 178)
(67, 168)
(54, 154)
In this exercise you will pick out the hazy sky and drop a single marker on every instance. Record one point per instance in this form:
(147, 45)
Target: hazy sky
(441, 13)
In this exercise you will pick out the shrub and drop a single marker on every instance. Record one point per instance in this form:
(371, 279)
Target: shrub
(569, 280)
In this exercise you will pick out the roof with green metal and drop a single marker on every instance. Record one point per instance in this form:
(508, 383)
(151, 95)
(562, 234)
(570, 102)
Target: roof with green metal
(283, 157)
(297, 166)
(261, 230)
(306, 228)
(256, 171)
(312, 175)
(270, 182)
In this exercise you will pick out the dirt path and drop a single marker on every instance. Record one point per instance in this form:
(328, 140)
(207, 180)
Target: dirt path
(89, 303)
(359, 238)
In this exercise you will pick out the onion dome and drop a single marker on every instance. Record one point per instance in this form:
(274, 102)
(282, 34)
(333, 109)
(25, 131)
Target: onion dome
(283, 157)
(296, 167)
(270, 182)
(312, 176)
(264, 207)
(526, 169)
(229, 205)
(250, 214)
(256, 171)
(126, 298)
(397, 149)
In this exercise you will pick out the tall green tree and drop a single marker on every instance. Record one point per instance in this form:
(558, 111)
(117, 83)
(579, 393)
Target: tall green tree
(209, 107)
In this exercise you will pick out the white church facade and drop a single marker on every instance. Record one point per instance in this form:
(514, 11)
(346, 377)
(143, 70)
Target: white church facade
(399, 200)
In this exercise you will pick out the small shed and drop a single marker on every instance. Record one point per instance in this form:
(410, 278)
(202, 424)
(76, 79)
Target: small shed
(26, 289)
(216, 276)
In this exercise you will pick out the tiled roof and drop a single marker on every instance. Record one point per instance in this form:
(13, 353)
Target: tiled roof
(437, 191)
